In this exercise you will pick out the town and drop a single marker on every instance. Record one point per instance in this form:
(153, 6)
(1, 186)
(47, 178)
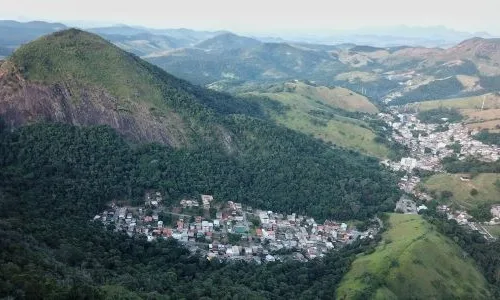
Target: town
(231, 231)
(228, 230)
(428, 145)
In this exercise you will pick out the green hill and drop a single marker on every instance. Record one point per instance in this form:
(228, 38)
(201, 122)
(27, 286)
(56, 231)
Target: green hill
(413, 261)
(331, 114)
(484, 184)
(79, 78)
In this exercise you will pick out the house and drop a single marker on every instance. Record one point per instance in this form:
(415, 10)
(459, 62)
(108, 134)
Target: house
(236, 250)
(270, 258)
(122, 213)
(421, 207)
(495, 211)
(206, 199)
(248, 251)
(264, 218)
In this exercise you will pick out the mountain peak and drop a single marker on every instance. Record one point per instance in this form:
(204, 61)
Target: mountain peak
(228, 41)
(77, 77)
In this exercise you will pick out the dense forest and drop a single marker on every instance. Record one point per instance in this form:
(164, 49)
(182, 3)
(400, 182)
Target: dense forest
(437, 89)
(440, 115)
(470, 165)
(487, 137)
(55, 177)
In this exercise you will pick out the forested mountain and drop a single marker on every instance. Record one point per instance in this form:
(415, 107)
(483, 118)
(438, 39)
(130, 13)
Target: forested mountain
(45, 81)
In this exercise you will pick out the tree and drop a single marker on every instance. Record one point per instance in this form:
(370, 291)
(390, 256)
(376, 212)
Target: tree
(446, 194)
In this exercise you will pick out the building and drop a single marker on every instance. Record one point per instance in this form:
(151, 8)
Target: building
(408, 163)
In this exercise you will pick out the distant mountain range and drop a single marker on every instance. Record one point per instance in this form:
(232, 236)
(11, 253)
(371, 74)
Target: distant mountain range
(433, 36)
(395, 71)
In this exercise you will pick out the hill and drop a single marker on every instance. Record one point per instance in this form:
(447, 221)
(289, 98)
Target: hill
(227, 41)
(144, 43)
(79, 78)
(264, 62)
(413, 261)
(480, 112)
(484, 184)
(337, 97)
(331, 114)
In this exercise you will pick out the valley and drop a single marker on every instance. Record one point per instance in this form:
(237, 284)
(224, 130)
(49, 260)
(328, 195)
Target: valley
(189, 164)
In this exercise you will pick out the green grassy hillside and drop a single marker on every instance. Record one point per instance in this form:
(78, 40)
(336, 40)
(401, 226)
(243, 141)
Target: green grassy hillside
(480, 112)
(76, 56)
(413, 261)
(484, 183)
(332, 115)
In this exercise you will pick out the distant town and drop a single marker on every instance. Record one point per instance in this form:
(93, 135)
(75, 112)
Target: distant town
(228, 230)
(429, 144)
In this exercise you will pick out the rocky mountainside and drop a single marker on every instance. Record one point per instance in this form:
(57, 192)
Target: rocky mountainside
(79, 78)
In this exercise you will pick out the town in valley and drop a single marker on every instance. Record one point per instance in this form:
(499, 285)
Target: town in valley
(231, 231)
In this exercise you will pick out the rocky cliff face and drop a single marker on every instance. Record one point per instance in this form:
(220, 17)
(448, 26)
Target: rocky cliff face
(22, 102)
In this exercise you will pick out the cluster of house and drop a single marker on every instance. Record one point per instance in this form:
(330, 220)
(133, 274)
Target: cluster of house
(234, 232)
(428, 146)
(463, 218)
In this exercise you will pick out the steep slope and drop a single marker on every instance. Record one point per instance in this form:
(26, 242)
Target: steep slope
(414, 261)
(79, 78)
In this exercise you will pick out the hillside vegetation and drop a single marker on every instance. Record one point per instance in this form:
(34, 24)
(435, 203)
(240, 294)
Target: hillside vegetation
(56, 177)
(480, 112)
(413, 261)
(222, 132)
(330, 114)
(487, 191)
(79, 78)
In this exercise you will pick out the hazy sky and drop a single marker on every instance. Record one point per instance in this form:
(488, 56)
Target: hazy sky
(264, 15)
